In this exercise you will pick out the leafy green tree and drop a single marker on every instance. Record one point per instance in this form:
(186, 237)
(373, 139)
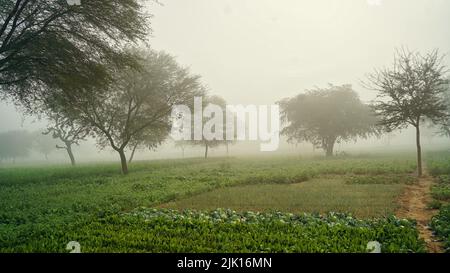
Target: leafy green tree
(48, 45)
(410, 93)
(137, 106)
(327, 116)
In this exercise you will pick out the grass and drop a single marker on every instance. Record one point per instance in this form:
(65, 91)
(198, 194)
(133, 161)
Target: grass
(441, 193)
(438, 163)
(382, 179)
(42, 208)
(313, 196)
(441, 172)
(434, 204)
(30, 195)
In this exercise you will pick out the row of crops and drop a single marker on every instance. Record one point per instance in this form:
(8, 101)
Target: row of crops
(159, 230)
(45, 208)
(229, 231)
(439, 167)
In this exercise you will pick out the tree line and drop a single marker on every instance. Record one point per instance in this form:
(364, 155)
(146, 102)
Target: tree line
(90, 71)
(413, 92)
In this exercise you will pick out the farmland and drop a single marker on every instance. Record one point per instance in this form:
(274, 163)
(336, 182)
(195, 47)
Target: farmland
(309, 196)
(224, 127)
(235, 200)
(439, 166)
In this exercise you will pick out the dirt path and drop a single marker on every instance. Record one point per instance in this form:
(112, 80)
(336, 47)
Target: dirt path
(413, 205)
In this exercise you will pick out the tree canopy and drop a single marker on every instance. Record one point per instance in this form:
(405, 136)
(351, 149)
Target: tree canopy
(410, 93)
(324, 116)
(49, 45)
(137, 107)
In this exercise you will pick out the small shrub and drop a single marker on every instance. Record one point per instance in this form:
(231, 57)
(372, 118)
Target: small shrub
(441, 192)
(443, 179)
(434, 204)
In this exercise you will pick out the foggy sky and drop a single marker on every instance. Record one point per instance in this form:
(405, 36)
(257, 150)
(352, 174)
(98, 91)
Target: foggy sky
(260, 51)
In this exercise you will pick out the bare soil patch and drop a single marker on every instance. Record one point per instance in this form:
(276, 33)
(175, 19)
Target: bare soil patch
(413, 205)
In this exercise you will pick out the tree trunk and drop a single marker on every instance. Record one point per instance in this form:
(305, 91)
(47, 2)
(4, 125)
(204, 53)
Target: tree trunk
(419, 152)
(206, 150)
(123, 161)
(228, 151)
(69, 151)
(132, 154)
(329, 148)
(182, 151)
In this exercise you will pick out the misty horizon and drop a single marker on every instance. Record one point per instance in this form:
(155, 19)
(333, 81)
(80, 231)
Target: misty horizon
(259, 52)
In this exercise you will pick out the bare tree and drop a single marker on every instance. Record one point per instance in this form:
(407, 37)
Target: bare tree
(410, 93)
(67, 131)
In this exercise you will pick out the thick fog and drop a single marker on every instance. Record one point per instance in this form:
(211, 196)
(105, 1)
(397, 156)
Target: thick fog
(260, 51)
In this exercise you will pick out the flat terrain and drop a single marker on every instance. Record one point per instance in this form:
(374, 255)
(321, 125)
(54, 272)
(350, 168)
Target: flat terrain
(321, 195)
(413, 205)
(44, 207)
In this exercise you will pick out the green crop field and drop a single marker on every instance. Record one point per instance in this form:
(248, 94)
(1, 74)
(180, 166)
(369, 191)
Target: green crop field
(43, 208)
(439, 166)
(193, 128)
(314, 196)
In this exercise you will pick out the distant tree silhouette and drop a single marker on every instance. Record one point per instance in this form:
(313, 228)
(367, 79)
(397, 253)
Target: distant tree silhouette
(67, 131)
(212, 143)
(15, 144)
(43, 144)
(327, 116)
